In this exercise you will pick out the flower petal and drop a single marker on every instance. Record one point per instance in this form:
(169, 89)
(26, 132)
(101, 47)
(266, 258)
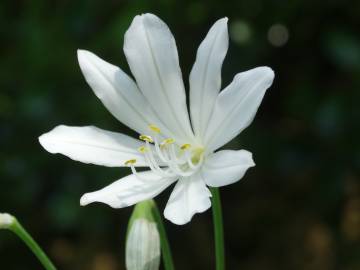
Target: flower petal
(92, 145)
(226, 167)
(129, 190)
(236, 106)
(205, 76)
(190, 196)
(118, 92)
(152, 56)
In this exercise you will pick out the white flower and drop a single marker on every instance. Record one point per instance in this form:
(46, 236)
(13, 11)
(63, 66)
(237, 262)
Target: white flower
(143, 246)
(6, 220)
(155, 106)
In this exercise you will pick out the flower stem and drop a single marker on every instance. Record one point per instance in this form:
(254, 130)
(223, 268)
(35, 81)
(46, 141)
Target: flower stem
(30, 242)
(218, 229)
(165, 247)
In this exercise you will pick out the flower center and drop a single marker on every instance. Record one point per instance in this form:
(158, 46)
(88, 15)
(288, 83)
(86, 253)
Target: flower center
(167, 159)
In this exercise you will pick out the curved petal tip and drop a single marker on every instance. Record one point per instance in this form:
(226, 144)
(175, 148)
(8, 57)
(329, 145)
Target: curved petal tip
(269, 72)
(86, 199)
(45, 142)
(83, 56)
(224, 20)
(42, 140)
(80, 52)
(180, 220)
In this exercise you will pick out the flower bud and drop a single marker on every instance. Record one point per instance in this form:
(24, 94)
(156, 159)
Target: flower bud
(143, 239)
(6, 220)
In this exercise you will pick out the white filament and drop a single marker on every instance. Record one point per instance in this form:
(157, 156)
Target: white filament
(173, 164)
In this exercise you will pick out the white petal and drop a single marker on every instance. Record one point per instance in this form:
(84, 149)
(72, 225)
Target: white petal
(92, 145)
(190, 196)
(226, 167)
(205, 76)
(152, 56)
(236, 106)
(118, 92)
(129, 190)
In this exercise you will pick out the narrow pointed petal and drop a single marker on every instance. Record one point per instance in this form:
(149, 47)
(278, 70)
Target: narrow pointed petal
(129, 190)
(153, 59)
(118, 92)
(190, 196)
(226, 167)
(236, 106)
(92, 145)
(205, 76)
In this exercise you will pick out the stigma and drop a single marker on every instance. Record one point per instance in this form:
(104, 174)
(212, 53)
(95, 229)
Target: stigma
(165, 157)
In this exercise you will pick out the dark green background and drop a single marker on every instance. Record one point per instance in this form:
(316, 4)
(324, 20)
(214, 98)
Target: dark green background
(299, 208)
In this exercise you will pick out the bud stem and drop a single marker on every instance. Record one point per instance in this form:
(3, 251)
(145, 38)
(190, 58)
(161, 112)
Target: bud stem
(165, 247)
(218, 229)
(30, 242)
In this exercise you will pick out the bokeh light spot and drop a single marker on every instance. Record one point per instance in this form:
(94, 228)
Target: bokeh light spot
(278, 35)
(240, 32)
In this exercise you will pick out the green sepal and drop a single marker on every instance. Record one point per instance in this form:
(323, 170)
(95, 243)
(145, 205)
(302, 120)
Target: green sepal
(143, 210)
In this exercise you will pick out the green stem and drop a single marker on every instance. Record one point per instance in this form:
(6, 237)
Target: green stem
(165, 247)
(218, 229)
(30, 242)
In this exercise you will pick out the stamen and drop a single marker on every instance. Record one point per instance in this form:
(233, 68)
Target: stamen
(173, 155)
(146, 138)
(130, 162)
(133, 170)
(154, 128)
(149, 157)
(143, 149)
(167, 142)
(175, 163)
(151, 161)
(185, 146)
(159, 152)
(167, 159)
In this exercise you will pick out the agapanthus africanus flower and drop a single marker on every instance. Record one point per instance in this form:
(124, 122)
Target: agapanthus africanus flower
(174, 149)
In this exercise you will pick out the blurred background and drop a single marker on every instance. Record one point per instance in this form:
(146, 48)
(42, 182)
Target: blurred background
(299, 208)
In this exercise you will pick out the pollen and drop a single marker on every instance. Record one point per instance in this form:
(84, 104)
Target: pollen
(167, 142)
(143, 149)
(146, 138)
(154, 128)
(185, 146)
(130, 162)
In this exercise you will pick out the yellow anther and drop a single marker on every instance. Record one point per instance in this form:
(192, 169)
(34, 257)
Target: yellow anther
(185, 146)
(167, 141)
(146, 138)
(143, 149)
(154, 128)
(130, 162)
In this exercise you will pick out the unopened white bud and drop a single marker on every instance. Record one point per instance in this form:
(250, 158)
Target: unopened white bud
(143, 246)
(6, 220)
